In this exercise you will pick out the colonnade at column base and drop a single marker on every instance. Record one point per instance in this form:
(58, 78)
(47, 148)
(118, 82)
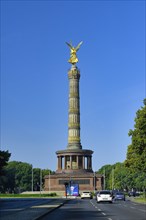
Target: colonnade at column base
(74, 161)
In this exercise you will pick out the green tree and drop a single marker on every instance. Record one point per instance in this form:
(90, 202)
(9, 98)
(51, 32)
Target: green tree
(117, 176)
(36, 179)
(120, 176)
(4, 158)
(46, 172)
(136, 153)
(18, 176)
(106, 171)
(37, 175)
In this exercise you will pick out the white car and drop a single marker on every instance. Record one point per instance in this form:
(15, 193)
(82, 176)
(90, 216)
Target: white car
(104, 196)
(86, 195)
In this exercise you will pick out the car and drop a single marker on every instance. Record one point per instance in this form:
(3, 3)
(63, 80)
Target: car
(86, 195)
(119, 196)
(133, 193)
(104, 196)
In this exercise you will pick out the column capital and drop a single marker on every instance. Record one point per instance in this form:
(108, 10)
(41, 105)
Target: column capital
(74, 73)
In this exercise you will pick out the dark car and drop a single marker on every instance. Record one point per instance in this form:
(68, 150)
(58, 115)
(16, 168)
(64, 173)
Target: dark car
(119, 196)
(133, 193)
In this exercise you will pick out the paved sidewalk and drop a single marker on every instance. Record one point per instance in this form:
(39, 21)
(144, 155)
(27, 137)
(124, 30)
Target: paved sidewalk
(34, 212)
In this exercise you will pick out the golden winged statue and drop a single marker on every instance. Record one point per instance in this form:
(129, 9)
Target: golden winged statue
(73, 50)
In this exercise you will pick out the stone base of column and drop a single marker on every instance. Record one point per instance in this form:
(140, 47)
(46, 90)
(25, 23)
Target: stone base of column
(74, 146)
(86, 181)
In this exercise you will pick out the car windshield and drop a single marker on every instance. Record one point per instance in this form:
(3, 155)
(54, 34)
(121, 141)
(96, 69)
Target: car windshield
(119, 194)
(105, 192)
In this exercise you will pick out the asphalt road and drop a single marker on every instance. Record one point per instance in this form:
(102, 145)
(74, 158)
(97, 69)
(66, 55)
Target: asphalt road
(70, 209)
(88, 209)
(19, 204)
(27, 209)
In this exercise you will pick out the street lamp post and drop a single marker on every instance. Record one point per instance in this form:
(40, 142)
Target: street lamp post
(113, 179)
(49, 181)
(40, 181)
(94, 182)
(66, 185)
(32, 178)
(104, 179)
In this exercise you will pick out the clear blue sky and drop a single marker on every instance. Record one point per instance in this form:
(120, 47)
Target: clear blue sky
(34, 81)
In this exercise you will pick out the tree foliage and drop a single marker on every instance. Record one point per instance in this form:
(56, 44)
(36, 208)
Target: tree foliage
(136, 153)
(4, 158)
(115, 176)
(106, 171)
(19, 177)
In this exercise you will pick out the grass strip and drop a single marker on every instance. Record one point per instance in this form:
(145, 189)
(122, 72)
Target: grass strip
(140, 200)
(27, 195)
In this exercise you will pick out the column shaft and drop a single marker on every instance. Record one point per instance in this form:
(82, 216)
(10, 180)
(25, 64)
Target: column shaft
(74, 109)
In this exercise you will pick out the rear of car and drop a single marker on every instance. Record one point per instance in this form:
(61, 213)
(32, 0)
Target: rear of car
(104, 196)
(133, 193)
(86, 195)
(119, 196)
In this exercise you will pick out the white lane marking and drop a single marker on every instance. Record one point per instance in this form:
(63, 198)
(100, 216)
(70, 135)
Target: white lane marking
(143, 210)
(99, 210)
(46, 206)
(132, 207)
(95, 206)
(103, 213)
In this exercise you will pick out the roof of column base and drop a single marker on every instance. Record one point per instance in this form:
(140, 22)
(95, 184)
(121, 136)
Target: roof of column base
(74, 174)
(75, 152)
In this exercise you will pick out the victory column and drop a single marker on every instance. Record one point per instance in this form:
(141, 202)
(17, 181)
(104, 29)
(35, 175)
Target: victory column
(74, 163)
